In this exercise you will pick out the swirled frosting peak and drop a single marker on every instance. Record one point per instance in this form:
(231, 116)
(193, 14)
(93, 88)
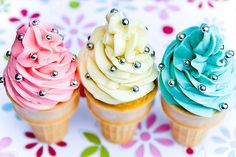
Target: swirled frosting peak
(198, 73)
(41, 72)
(117, 64)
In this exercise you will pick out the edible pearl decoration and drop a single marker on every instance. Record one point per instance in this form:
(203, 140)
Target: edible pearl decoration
(90, 45)
(18, 77)
(135, 88)
(181, 36)
(171, 83)
(202, 87)
(161, 66)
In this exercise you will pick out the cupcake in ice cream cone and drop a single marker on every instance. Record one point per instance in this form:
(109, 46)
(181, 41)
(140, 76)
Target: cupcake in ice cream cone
(118, 72)
(41, 79)
(197, 81)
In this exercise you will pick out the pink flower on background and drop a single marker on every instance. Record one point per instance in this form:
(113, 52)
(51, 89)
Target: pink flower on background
(149, 137)
(4, 143)
(75, 31)
(201, 3)
(42, 147)
(163, 7)
(25, 17)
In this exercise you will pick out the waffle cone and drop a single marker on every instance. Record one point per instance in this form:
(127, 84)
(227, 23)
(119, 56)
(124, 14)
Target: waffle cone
(49, 126)
(186, 128)
(118, 123)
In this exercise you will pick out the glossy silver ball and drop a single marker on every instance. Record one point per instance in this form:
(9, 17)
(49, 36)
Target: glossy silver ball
(54, 73)
(42, 93)
(222, 47)
(137, 64)
(187, 63)
(34, 56)
(181, 36)
(48, 37)
(146, 50)
(113, 68)
(2, 80)
(114, 10)
(229, 54)
(87, 76)
(74, 58)
(202, 87)
(18, 77)
(135, 88)
(74, 83)
(54, 30)
(214, 77)
(122, 60)
(171, 82)
(224, 106)
(125, 22)
(8, 53)
(20, 37)
(35, 22)
(161, 66)
(90, 45)
(224, 61)
(205, 28)
(153, 53)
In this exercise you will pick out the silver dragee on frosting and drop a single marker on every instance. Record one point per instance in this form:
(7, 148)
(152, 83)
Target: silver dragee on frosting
(197, 73)
(117, 69)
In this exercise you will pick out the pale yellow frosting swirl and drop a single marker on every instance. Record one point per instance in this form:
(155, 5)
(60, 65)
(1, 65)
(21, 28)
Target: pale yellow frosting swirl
(101, 72)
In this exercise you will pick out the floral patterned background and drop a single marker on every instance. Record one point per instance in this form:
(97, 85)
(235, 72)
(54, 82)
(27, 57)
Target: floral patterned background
(76, 19)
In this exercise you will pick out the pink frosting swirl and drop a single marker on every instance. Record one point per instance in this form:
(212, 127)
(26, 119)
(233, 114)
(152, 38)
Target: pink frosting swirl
(39, 89)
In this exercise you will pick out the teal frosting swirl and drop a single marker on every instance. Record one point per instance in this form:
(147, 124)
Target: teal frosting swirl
(197, 73)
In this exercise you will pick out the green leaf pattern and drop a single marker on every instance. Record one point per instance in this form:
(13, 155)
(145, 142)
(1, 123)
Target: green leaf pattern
(94, 139)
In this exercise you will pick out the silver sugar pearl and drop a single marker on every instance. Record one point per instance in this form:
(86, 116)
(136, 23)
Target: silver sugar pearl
(1, 79)
(153, 53)
(54, 30)
(135, 88)
(171, 82)
(74, 58)
(224, 106)
(90, 45)
(20, 37)
(137, 64)
(35, 22)
(18, 77)
(229, 54)
(181, 36)
(146, 50)
(8, 53)
(161, 66)
(113, 68)
(222, 47)
(74, 83)
(187, 63)
(214, 77)
(34, 56)
(48, 37)
(122, 60)
(202, 87)
(87, 76)
(54, 73)
(114, 10)
(42, 93)
(205, 28)
(125, 22)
